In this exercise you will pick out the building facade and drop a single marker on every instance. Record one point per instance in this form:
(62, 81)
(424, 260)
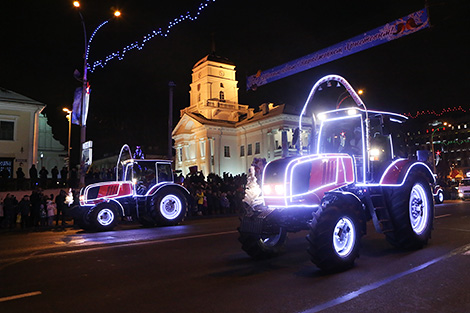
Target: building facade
(448, 135)
(25, 136)
(19, 131)
(216, 134)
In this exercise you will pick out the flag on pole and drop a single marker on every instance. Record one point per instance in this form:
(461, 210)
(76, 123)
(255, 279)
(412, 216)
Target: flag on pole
(77, 105)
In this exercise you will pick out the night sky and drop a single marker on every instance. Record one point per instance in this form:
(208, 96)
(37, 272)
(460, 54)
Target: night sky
(42, 45)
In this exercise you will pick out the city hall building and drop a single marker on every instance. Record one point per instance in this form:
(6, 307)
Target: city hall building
(216, 134)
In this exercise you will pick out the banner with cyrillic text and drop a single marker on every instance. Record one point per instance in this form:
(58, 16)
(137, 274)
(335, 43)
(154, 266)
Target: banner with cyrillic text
(401, 27)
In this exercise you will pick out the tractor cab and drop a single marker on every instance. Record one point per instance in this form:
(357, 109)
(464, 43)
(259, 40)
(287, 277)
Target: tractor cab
(372, 138)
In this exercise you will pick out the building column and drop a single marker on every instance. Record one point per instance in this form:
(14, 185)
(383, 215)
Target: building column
(285, 144)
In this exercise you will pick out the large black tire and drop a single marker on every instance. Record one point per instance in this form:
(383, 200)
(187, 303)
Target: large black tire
(334, 237)
(411, 209)
(168, 207)
(439, 198)
(261, 247)
(103, 217)
(82, 220)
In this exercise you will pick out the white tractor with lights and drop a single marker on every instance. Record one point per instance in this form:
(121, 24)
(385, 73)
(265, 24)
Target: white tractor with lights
(144, 191)
(357, 170)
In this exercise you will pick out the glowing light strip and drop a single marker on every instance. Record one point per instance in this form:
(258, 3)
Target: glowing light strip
(362, 136)
(139, 45)
(370, 112)
(432, 112)
(380, 184)
(87, 188)
(325, 79)
(91, 38)
(290, 169)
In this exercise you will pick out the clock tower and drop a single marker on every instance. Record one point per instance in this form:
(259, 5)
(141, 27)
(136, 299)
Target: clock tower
(213, 91)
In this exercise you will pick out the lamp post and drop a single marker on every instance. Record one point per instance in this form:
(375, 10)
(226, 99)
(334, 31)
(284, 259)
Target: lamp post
(69, 118)
(83, 114)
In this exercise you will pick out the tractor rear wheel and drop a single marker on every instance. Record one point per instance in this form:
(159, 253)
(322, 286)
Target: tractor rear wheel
(168, 207)
(411, 209)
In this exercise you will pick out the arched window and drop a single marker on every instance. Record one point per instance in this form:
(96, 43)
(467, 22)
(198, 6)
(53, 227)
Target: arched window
(221, 95)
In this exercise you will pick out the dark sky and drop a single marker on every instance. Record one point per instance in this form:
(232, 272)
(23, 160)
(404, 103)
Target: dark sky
(42, 44)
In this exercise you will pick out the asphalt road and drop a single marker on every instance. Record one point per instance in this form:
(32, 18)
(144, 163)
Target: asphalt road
(199, 267)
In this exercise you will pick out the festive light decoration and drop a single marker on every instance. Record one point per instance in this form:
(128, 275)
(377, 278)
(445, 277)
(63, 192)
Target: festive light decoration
(432, 112)
(139, 45)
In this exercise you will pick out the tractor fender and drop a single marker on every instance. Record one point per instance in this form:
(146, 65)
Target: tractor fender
(162, 187)
(398, 171)
(115, 203)
(345, 198)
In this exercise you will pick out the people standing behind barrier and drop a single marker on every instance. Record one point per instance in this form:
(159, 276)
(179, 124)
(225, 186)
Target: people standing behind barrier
(24, 208)
(55, 175)
(224, 203)
(63, 176)
(61, 207)
(10, 206)
(5, 175)
(43, 210)
(35, 207)
(19, 179)
(43, 177)
(33, 176)
(200, 201)
(51, 211)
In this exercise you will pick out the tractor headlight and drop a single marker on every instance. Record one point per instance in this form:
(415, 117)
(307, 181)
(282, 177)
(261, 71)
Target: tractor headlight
(374, 154)
(273, 189)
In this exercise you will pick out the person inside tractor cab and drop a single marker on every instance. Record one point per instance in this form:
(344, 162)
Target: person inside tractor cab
(164, 173)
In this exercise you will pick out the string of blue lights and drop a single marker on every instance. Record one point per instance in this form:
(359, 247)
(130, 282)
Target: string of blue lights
(120, 54)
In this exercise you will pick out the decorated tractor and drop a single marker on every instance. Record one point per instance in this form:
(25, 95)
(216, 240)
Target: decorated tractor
(144, 191)
(357, 169)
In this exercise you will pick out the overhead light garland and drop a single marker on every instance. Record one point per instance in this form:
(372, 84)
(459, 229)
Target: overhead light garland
(432, 112)
(139, 45)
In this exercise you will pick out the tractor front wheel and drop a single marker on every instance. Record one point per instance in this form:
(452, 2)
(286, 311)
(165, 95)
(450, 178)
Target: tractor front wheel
(334, 237)
(263, 246)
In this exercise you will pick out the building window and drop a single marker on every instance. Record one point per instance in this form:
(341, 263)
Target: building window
(221, 95)
(250, 149)
(202, 147)
(221, 85)
(7, 130)
(6, 164)
(180, 154)
(242, 151)
(227, 151)
(257, 148)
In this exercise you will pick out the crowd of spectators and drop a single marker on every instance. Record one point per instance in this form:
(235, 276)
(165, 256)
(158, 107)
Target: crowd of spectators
(211, 195)
(214, 195)
(37, 210)
(43, 178)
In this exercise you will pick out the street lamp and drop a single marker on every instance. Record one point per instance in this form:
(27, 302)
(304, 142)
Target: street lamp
(82, 121)
(69, 118)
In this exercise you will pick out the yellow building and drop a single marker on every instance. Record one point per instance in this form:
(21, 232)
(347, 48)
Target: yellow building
(216, 134)
(25, 136)
(19, 131)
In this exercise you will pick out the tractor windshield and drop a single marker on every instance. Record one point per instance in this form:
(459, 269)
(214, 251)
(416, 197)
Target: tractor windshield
(342, 135)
